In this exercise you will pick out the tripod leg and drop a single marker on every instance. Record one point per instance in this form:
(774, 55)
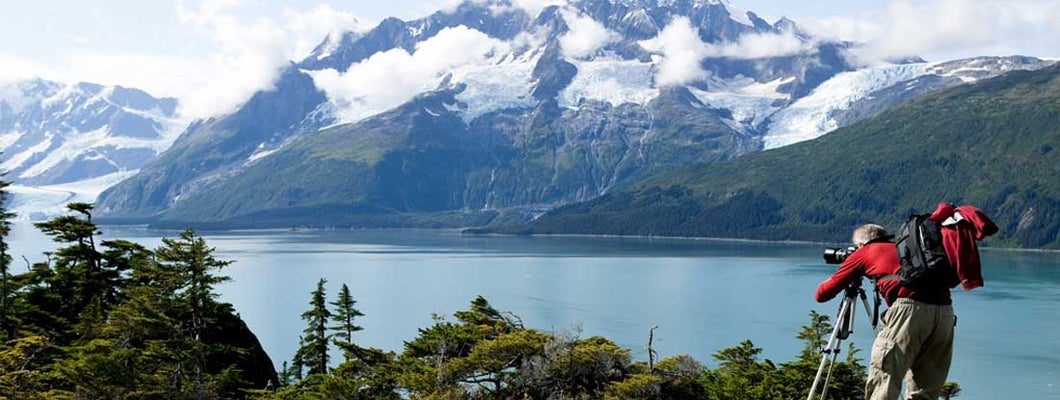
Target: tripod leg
(832, 347)
(828, 379)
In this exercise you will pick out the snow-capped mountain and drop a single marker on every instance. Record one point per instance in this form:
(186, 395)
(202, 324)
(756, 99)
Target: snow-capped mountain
(615, 51)
(64, 143)
(492, 106)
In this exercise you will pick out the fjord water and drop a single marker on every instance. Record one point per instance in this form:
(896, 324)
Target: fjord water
(704, 295)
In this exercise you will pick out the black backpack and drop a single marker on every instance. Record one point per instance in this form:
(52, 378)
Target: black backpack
(923, 256)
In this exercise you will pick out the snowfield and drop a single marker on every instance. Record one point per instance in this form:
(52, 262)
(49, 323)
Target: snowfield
(811, 116)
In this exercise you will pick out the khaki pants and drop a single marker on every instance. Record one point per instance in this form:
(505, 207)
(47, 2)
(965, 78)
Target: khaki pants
(916, 342)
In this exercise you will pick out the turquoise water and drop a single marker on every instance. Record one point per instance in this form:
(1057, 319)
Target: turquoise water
(704, 295)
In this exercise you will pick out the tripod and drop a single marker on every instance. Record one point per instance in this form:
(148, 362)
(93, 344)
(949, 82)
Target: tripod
(844, 326)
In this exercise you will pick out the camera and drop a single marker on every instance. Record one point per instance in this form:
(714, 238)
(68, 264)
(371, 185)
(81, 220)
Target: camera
(837, 255)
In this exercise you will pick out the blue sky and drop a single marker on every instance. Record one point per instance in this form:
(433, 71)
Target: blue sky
(214, 53)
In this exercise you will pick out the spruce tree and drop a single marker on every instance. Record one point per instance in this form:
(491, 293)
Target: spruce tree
(6, 327)
(74, 289)
(298, 362)
(314, 350)
(194, 264)
(344, 315)
(188, 265)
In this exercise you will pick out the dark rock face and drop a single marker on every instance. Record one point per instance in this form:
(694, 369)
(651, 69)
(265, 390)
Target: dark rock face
(254, 364)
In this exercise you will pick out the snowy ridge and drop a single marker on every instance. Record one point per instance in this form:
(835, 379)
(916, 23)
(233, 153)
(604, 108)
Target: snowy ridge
(18, 159)
(81, 144)
(9, 138)
(18, 95)
(64, 143)
(74, 103)
(737, 14)
(811, 116)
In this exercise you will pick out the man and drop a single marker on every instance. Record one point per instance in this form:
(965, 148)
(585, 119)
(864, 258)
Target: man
(916, 338)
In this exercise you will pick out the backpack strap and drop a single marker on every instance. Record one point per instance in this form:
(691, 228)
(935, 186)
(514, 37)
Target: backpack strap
(877, 299)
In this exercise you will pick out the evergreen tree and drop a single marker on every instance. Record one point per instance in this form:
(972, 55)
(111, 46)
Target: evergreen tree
(344, 316)
(285, 375)
(193, 263)
(73, 291)
(297, 363)
(187, 265)
(314, 350)
(815, 335)
(6, 327)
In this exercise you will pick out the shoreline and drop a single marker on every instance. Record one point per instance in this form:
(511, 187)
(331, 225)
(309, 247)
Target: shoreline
(462, 231)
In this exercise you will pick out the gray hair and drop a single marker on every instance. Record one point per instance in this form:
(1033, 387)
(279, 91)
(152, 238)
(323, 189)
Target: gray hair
(867, 233)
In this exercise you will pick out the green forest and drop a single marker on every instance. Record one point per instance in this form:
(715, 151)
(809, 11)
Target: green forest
(111, 319)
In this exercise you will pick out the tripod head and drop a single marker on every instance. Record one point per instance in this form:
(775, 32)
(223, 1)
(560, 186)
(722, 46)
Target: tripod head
(854, 289)
(845, 316)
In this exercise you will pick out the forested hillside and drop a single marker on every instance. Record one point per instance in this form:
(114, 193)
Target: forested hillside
(990, 144)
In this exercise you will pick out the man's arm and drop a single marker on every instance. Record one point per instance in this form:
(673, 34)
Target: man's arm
(851, 269)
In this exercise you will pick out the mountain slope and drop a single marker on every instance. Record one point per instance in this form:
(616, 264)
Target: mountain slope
(422, 158)
(209, 150)
(992, 144)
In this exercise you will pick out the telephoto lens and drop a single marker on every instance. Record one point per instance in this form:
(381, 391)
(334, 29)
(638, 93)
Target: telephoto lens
(836, 255)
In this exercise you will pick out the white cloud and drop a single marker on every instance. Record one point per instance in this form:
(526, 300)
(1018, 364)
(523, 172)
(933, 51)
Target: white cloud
(681, 51)
(584, 36)
(761, 46)
(308, 27)
(13, 68)
(531, 7)
(388, 79)
(160, 76)
(225, 58)
(946, 29)
(534, 7)
(247, 60)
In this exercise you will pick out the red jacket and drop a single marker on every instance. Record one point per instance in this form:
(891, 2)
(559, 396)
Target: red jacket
(959, 240)
(877, 259)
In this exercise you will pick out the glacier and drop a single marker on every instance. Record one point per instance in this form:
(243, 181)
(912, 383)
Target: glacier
(494, 86)
(750, 102)
(614, 81)
(811, 116)
(35, 203)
